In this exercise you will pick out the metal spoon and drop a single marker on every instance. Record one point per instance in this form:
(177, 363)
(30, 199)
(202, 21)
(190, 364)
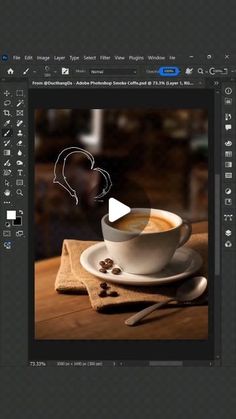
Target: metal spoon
(188, 291)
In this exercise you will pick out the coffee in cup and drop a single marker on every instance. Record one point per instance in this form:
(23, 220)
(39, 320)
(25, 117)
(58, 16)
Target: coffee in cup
(144, 241)
(144, 223)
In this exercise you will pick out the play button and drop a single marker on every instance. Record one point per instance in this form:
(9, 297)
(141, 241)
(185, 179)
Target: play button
(117, 210)
(125, 195)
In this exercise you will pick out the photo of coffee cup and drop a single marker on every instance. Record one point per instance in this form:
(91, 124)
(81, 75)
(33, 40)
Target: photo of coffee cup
(144, 241)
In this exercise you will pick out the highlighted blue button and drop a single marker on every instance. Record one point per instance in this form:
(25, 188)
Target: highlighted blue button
(4, 57)
(168, 71)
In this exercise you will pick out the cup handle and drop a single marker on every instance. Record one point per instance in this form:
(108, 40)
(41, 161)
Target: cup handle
(186, 225)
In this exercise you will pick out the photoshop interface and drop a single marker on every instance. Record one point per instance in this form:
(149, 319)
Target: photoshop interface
(118, 209)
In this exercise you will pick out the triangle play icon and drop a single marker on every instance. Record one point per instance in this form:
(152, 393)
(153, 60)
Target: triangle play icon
(117, 209)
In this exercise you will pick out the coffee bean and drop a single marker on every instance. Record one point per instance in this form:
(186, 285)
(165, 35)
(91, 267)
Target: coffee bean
(102, 293)
(103, 270)
(108, 265)
(109, 261)
(104, 285)
(102, 263)
(116, 271)
(113, 294)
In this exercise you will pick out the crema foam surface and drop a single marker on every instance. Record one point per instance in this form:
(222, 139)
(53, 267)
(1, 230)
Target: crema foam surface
(136, 223)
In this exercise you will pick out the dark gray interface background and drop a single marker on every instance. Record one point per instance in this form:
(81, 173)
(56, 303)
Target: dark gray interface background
(112, 26)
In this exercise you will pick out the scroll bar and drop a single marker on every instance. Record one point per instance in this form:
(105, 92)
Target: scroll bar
(217, 224)
(166, 363)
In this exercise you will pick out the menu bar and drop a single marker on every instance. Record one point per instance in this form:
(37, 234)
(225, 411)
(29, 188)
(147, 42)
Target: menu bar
(118, 58)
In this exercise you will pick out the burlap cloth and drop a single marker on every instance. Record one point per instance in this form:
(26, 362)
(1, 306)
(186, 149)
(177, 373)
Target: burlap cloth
(72, 278)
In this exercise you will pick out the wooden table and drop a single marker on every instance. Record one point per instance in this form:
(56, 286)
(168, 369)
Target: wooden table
(64, 316)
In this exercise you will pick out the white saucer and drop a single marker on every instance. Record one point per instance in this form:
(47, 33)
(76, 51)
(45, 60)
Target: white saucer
(185, 262)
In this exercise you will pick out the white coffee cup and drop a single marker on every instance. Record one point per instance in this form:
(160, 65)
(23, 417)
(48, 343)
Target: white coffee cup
(148, 251)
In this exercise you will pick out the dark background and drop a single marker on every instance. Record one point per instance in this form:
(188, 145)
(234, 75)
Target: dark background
(115, 26)
(162, 151)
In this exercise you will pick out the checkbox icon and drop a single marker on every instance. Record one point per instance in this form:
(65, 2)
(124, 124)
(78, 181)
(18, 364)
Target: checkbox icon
(65, 71)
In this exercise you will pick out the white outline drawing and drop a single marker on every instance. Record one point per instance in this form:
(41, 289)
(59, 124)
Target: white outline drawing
(62, 156)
